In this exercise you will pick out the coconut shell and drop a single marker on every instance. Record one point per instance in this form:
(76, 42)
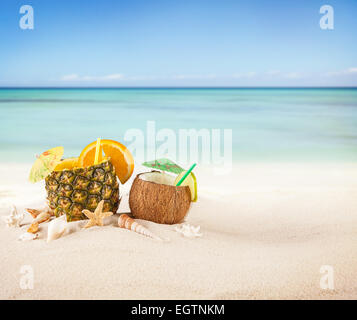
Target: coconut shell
(159, 203)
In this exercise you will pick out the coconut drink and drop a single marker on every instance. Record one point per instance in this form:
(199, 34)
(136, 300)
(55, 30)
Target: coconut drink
(157, 196)
(77, 184)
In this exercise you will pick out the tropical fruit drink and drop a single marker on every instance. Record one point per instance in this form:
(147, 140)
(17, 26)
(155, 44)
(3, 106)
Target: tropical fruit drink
(71, 190)
(81, 183)
(157, 196)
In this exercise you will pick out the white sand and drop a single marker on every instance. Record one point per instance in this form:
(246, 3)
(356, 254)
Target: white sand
(267, 231)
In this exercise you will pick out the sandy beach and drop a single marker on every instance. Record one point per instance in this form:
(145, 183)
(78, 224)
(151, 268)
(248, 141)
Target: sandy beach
(267, 230)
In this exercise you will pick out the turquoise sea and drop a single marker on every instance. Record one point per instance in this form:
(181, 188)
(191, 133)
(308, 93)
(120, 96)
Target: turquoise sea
(268, 124)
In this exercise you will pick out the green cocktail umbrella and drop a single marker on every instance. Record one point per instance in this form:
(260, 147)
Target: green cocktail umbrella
(164, 164)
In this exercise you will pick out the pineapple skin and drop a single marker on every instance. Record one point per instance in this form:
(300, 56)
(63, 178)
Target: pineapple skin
(71, 191)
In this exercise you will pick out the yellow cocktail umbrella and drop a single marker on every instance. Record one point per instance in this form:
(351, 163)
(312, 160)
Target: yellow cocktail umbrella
(45, 163)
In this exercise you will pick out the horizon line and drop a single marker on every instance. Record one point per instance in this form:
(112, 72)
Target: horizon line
(179, 87)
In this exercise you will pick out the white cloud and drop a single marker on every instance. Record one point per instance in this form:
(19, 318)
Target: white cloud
(266, 77)
(76, 77)
(115, 76)
(273, 72)
(292, 75)
(70, 77)
(144, 78)
(193, 76)
(285, 75)
(349, 71)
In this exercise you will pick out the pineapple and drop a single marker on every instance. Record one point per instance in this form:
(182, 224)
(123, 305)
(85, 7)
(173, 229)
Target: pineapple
(72, 189)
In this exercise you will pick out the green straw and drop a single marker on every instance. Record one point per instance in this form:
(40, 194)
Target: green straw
(186, 175)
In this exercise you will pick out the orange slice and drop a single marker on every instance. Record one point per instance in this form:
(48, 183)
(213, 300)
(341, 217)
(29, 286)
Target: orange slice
(119, 154)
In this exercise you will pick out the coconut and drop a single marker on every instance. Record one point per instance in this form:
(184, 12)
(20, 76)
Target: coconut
(153, 196)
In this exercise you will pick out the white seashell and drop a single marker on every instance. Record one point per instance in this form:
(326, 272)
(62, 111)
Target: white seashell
(42, 217)
(189, 231)
(56, 228)
(14, 219)
(28, 236)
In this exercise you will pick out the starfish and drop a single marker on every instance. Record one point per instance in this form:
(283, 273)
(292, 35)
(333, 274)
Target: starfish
(96, 217)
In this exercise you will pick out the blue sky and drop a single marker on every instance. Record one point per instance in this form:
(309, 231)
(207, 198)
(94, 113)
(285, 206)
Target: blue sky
(178, 43)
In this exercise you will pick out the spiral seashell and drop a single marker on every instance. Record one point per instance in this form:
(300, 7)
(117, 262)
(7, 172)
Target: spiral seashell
(126, 222)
